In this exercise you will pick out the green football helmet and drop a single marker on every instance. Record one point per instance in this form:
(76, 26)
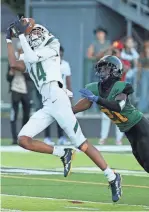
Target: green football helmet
(109, 67)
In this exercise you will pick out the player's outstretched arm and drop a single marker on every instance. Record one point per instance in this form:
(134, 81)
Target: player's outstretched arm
(82, 105)
(13, 62)
(116, 105)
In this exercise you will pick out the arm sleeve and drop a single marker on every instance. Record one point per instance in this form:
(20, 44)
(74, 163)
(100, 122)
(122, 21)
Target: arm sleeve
(111, 105)
(119, 103)
(31, 56)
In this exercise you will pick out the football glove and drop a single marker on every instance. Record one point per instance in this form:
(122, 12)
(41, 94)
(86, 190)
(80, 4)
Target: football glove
(8, 33)
(18, 28)
(89, 95)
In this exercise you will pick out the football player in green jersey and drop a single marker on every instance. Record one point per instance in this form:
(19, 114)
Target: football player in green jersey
(112, 96)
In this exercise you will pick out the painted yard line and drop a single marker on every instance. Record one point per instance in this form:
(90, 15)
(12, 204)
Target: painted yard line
(106, 148)
(71, 200)
(69, 181)
(59, 171)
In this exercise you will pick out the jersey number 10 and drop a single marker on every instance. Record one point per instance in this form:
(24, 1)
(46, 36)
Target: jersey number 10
(40, 74)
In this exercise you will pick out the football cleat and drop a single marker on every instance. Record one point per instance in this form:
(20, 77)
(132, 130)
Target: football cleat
(67, 160)
(116, 189)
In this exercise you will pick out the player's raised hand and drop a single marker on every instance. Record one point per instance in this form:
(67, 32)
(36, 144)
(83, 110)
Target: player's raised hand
(9, 29)
(21, 28)
(89, 95)
(8, 33)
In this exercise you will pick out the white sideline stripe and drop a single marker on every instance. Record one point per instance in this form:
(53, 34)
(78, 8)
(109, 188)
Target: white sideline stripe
(29, 172)
(106, 148)
(83, 201)
(9, 210)
(91, 170)
(59, 171)
(83, 208)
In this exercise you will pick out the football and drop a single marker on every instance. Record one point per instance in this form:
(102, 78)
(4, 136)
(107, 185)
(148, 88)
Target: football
(31, 22)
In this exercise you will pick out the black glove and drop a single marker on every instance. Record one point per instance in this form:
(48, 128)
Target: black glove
(10, 30)
(19, 28)
(8, 33)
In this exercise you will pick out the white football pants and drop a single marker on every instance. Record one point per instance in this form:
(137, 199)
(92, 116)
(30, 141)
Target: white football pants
(56, 107)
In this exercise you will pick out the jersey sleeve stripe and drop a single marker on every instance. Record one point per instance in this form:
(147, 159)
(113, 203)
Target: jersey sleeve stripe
(49, 41)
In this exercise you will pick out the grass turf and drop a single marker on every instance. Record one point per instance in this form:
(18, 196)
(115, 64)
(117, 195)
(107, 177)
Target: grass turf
(45, 161)
(86, 187)
(19, 189)
(40, 204)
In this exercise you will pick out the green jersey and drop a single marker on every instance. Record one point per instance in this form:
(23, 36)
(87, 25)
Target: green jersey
(128, 117)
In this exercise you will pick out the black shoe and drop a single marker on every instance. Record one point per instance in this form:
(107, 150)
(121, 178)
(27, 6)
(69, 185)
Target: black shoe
(116, 189)
(67, 160)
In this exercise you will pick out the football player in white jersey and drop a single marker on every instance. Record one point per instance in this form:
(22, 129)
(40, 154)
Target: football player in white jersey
(66, 77)
(42, 59)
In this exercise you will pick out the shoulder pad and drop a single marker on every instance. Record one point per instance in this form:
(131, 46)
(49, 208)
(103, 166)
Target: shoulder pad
(128, 89)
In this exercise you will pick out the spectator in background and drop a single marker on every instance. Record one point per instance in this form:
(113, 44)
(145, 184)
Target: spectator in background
(66, 76)
(20, 84)
(144, 73)
(99, 47)
(130, 54)
(117, 49)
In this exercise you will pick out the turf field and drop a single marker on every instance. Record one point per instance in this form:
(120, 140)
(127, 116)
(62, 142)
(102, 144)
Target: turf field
(35, 182)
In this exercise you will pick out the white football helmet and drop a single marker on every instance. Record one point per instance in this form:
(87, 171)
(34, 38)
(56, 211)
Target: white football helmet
(38, 36)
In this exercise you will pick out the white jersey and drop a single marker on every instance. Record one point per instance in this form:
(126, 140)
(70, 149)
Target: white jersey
(47, 68)
(43, 66)
(65, 71)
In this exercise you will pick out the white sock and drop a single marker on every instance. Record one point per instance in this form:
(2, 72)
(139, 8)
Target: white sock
(109, 173)
(58, 151)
